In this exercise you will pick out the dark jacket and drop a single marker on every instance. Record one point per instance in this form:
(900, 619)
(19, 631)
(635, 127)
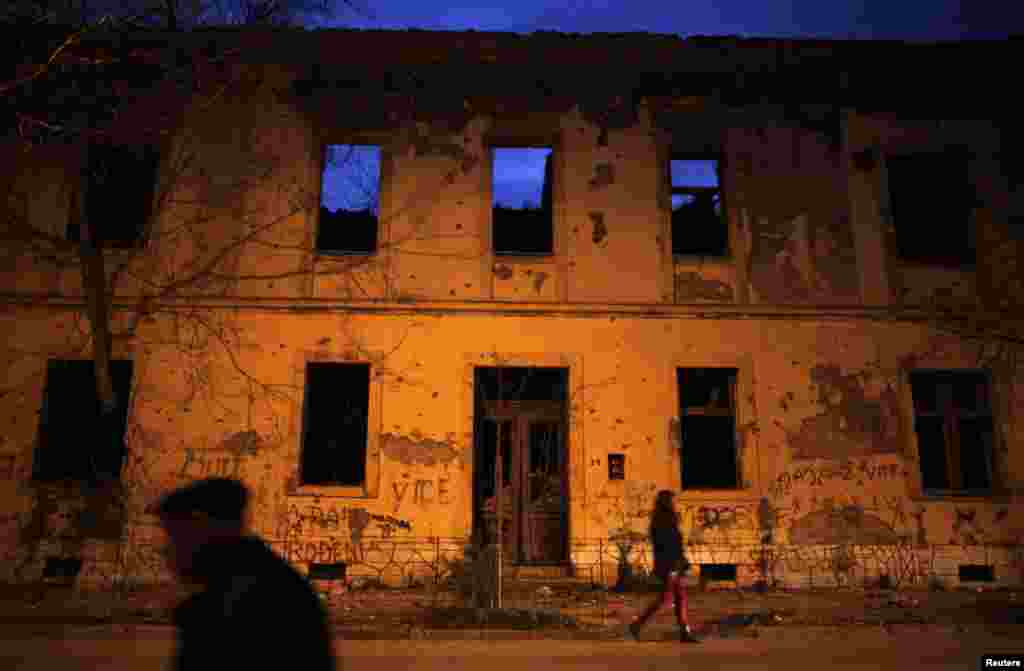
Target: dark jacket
(254, 608)
(668, 546)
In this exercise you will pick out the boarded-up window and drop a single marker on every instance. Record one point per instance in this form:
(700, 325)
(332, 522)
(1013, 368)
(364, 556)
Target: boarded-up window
(930, 202)
(335, 424)
(708, 428)
(698, 223)
(522, 211)
(955, 433)
(118, 188)
(76, 440)
(349, 200)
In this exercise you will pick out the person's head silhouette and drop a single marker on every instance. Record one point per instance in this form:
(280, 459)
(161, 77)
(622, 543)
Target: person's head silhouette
(200, 514)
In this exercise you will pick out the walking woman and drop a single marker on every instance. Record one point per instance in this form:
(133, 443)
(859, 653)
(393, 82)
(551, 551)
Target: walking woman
(670, 565)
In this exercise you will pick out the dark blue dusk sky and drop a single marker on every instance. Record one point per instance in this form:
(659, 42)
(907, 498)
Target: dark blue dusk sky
(860, 19)
(516, 175)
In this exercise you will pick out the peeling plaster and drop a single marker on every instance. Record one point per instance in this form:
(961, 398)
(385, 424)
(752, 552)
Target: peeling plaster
(414, 450)
(692, 285)
(839, 526)
(800, 259)
(600, 234)
(243, 443)
(604, 176)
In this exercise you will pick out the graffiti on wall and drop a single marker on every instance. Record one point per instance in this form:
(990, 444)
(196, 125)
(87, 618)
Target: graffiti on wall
(317, 531)
(708, 523)
(857, 472)
(224, 460)
(422, 491)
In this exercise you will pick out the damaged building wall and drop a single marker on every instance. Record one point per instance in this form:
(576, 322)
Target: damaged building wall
(829, 469)
(612, 218)
(793, 250)
(828, 461)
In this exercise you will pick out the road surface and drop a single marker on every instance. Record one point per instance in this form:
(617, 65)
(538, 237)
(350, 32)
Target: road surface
(781, 649)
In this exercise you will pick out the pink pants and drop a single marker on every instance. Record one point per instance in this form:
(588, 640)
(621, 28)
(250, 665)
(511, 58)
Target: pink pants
(674, 593)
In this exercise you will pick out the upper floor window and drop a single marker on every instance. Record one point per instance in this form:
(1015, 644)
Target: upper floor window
(930, 203)
(76, 440)
(117, 189)
(707, 418)
(521, 192)
(954, 427)
(349, 200)
(698, 223)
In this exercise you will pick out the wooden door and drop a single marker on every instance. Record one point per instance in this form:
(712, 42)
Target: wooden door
(531, 437)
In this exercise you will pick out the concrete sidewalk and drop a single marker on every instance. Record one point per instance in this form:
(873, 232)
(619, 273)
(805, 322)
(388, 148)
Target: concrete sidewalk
(586, 615)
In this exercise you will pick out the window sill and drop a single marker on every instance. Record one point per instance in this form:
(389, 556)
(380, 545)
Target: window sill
(330, 491)
(325, 255)
(702, 258)
(524, 258)
(740, 493)
(913, 264)
(995, 495)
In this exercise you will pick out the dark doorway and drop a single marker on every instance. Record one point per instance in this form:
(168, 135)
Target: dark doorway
(522, 411)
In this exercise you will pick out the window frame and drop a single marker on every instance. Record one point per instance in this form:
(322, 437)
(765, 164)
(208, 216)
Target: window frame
(889, 215)
(78, 213)
(719, 157)
(370, 488)
(945, 408)
(494, 142)
(42, 434)
(357, 141)
(703, 411)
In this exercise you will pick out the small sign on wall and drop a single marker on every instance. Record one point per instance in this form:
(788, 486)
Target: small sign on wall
(616, 467)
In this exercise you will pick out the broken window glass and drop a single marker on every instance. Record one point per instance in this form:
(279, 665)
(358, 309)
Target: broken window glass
(522, 210)
(349, 200)
(698, 225)
(708, 428)
(930, 203)
(955, 430)
(336, 423)
(76, 440)
(119, 186)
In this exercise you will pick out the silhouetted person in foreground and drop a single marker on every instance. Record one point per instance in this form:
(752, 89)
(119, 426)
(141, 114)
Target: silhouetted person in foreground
(252, 607)
(670, 565)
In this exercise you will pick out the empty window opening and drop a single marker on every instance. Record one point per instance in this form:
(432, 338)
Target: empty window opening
(119, 186)
(349, 200)
(955, 430)
(62, 568)
(930, 203)
(707, 420)
(521, 383)
(336, 424)
(717, 572)
(698, 225)
(522, 210)
(77, 441)
(336, 571)
(977, 573)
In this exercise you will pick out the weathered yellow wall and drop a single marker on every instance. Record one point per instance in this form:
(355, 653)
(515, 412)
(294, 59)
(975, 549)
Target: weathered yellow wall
(824, 481)
(827, 448)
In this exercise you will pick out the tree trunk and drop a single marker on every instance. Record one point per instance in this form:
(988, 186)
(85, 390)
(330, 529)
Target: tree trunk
(94, 284)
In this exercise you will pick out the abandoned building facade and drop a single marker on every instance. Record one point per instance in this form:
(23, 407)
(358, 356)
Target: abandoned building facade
(723, 285)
